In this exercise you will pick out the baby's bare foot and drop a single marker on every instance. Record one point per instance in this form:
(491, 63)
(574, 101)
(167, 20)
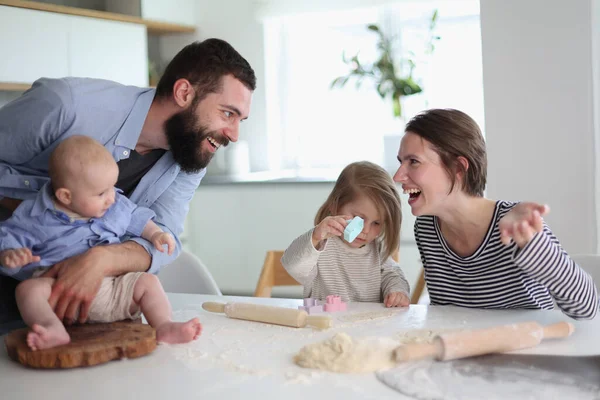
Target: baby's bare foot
(40, 337)
(179, 332)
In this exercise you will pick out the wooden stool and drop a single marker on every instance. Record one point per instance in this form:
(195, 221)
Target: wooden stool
(273, 274)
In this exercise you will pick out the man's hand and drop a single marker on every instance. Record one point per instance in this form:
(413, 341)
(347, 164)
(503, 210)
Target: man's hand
(396, 299)
(17, 258)
(77, 282)
(78, 278)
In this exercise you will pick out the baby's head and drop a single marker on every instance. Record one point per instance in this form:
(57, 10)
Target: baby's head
(367, 190)
(83, 175)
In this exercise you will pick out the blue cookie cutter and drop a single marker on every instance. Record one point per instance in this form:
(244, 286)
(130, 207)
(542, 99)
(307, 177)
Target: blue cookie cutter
(353, 229)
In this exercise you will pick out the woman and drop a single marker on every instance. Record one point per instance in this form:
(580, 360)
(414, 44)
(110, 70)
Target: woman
(479, 252)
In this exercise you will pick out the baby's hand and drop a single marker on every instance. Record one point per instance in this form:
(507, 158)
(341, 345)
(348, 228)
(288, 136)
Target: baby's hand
(329, 227)
(396, 299)
(17, 258)
(159, 239)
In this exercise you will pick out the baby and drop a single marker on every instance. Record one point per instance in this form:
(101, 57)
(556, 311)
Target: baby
(78, 209)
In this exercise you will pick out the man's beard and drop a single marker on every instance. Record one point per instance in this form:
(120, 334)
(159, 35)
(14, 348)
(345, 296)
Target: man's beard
(185, 136)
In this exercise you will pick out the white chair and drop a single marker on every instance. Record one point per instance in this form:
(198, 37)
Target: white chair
(187, 274)
(590, 263)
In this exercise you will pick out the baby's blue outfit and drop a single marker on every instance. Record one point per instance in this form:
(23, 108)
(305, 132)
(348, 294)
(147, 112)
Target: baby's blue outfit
(54, 236)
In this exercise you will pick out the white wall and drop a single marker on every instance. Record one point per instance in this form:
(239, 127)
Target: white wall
(231, 227)
(595, 18)
(233, 21)
(537, 69)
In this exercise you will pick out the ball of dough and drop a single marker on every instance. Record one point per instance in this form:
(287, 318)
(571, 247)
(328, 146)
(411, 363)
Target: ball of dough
(342, 353)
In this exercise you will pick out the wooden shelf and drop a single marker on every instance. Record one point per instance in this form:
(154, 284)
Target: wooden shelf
(21, 87)
(14, 87)
(154, 27)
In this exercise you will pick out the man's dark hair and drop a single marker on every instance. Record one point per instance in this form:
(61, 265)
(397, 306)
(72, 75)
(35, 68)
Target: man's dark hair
(204, 64)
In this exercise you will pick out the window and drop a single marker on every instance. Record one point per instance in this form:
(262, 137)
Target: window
(310, 126)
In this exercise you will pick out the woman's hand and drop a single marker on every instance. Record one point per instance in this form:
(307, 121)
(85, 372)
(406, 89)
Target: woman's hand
(522, 223)
(329, 227)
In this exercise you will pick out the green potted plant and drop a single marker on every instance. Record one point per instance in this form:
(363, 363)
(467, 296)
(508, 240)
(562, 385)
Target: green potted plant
(391, 74)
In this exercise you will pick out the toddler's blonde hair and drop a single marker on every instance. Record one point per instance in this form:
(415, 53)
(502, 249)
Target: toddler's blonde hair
(366, 178)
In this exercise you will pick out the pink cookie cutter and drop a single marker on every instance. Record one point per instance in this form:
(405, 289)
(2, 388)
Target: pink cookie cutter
(334, 303)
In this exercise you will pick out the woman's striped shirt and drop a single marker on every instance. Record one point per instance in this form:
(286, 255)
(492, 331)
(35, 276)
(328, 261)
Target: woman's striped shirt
(500, 276)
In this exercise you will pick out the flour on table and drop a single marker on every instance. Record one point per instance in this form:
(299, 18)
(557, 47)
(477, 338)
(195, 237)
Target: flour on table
(367, 316)
(247, 369)
(294, 377)
(342, 353)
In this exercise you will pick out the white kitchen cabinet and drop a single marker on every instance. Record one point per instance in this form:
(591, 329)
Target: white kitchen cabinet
(33, 44)
(111, 50)
(174, 11)
(179, 12)
(40, 39)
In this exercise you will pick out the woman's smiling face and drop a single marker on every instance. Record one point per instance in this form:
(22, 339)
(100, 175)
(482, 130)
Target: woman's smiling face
(422, 175)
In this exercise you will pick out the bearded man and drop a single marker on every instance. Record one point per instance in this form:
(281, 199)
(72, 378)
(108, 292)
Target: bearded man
(162, 140)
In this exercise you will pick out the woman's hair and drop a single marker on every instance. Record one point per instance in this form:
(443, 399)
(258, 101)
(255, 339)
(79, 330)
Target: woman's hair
(368, 179)
(454, 134)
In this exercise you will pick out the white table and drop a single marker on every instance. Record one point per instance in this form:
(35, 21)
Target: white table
(240, 359)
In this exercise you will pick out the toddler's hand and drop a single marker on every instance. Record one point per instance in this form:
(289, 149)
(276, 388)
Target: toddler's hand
(396, 299)
(329, 227)
(159, 239)
(17, 258)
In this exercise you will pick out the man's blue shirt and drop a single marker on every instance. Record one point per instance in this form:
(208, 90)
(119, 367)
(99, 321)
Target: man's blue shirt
(54, 236)
(32, 125)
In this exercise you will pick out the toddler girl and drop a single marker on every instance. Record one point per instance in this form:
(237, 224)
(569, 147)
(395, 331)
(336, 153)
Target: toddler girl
(363, 269)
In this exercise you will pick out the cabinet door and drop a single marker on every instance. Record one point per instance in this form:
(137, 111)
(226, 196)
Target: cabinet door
(33, 45)
(174, 11)
(111, 50)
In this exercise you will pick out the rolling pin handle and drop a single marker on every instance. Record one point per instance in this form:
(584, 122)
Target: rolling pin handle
(558, 330)
(319, 321)
(214, 306)
(419, 351)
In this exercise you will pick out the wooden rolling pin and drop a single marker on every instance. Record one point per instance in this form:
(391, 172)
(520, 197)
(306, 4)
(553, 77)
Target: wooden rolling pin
(450, 346)
(269, 314)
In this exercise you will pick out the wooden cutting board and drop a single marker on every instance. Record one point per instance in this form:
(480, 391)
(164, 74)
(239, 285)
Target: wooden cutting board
(91, 344)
